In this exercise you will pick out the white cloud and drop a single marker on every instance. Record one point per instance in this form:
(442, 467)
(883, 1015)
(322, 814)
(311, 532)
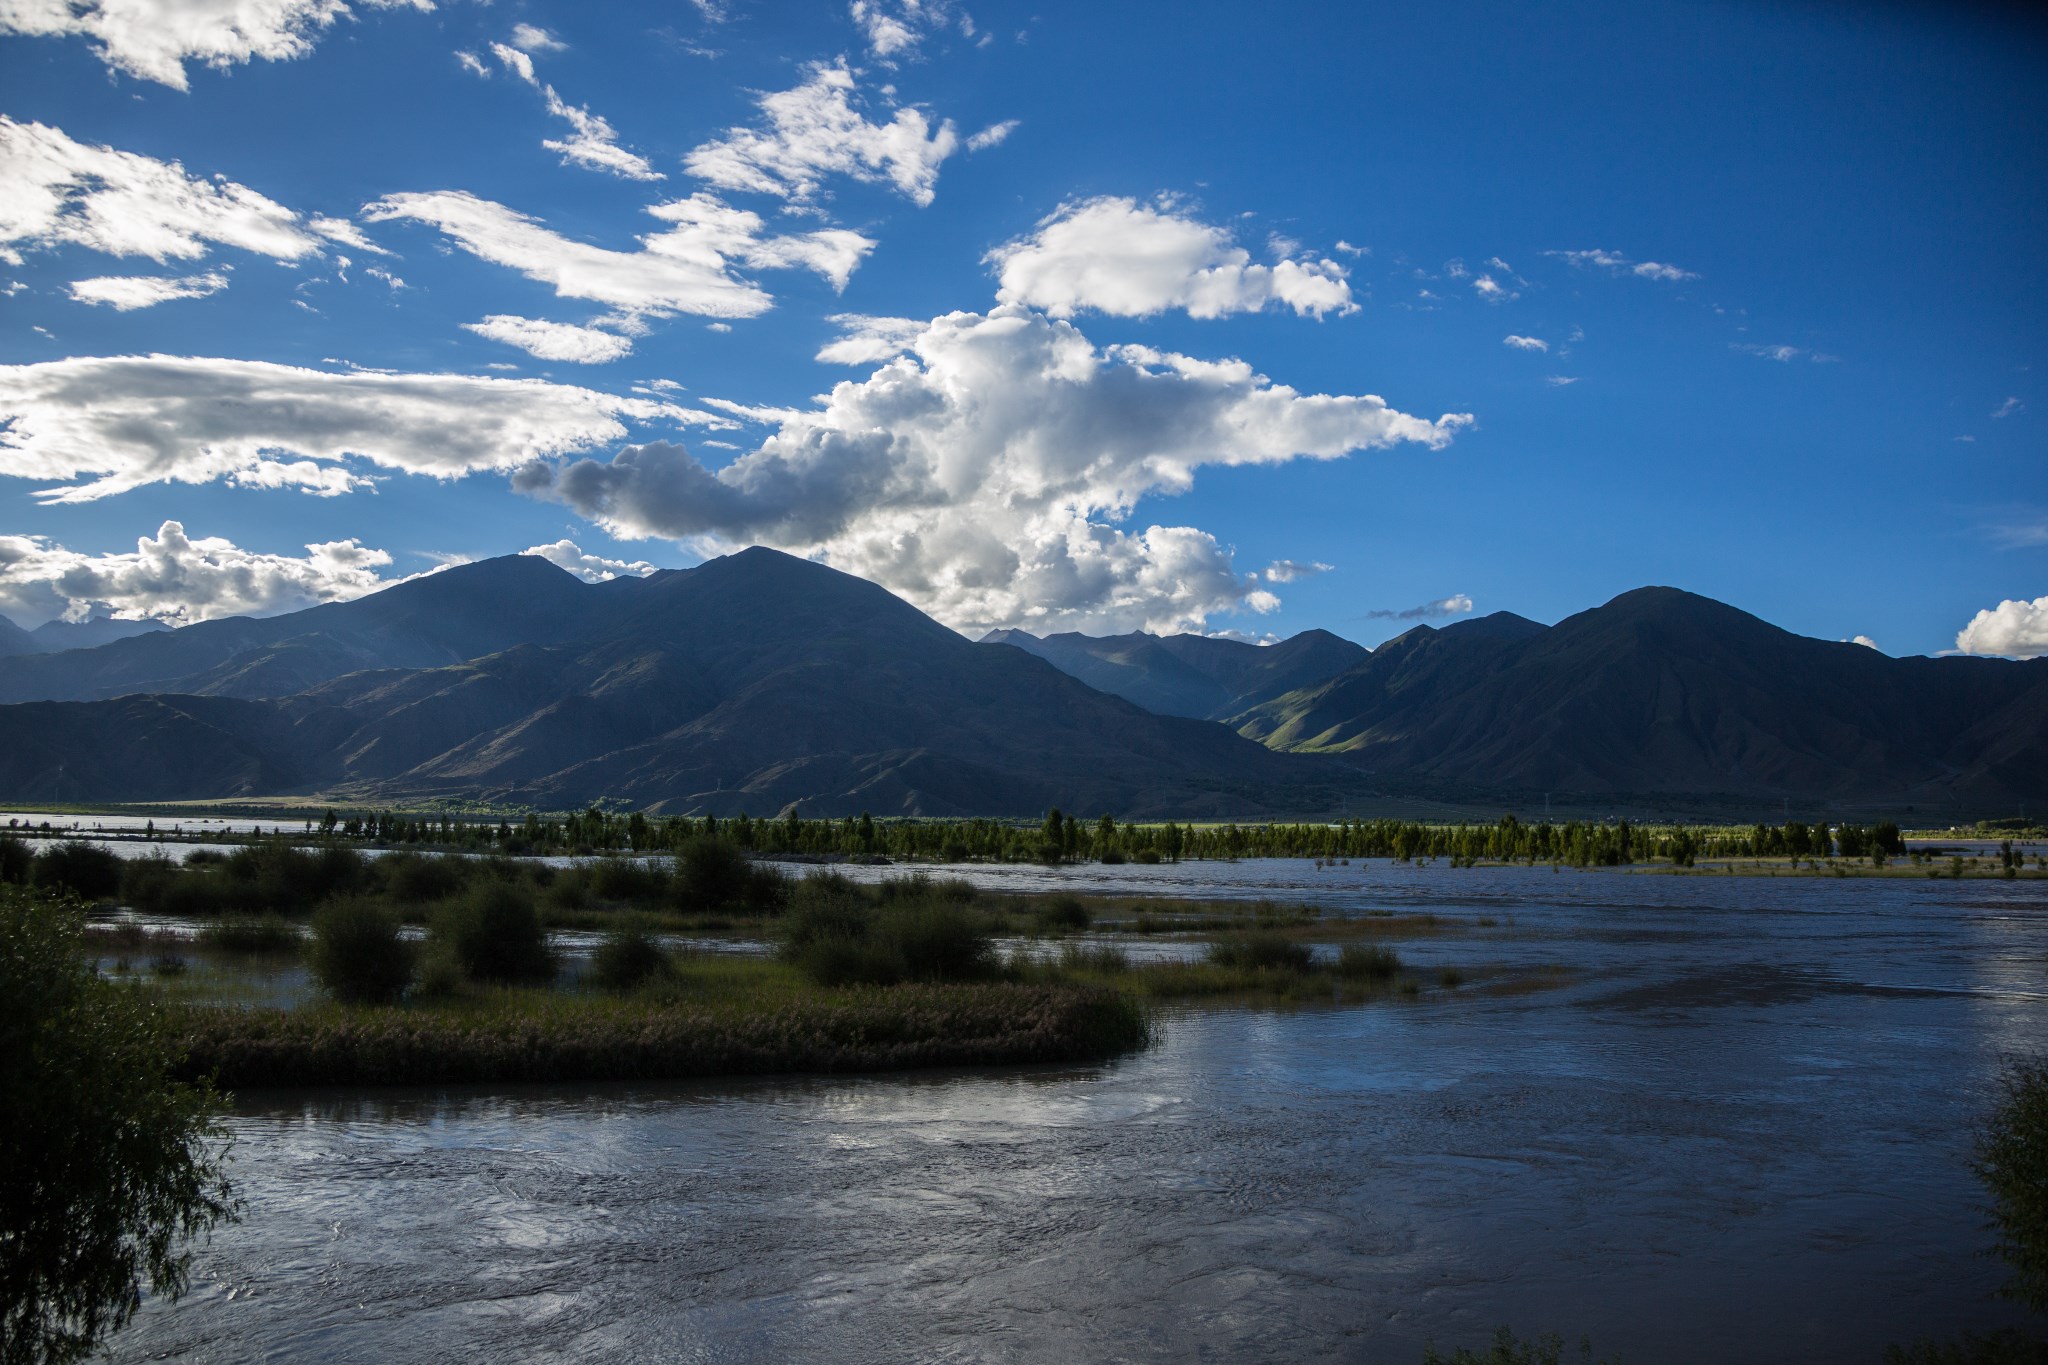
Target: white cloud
(553, 340)
(343, 231)
(473, 64)
(126, 421)
(1558, 381)
(566, 554)
(1781, 354)
(2015, 628)
(986, 477)
(813, 131)
(391, 281)
(1863, 640)
(1350, 250)
(992, 135)
(1614, 261)
(594, 143)
(55, 191)
(869, 340)
(887, 34)
(1121, 257)
(2007, 408)
(153, 39)
(685, 269)
(1522, 343)
(126, 293)
(175, 578)
(527, 38)
(1457, 604)
(1492, 290)
(1290, 570)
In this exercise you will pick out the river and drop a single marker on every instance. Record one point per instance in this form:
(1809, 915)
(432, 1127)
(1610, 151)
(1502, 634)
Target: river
(1739, 1131)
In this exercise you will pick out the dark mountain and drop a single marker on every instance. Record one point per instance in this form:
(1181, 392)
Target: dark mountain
(1197, 676)
(14, 640)
(53, 637)
(443, 618)
(751, 683)
(1661, 692)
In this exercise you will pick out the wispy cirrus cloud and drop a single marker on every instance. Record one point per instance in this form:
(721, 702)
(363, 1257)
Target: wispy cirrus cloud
(1615, 263)
(1457, 604)
(126, 293)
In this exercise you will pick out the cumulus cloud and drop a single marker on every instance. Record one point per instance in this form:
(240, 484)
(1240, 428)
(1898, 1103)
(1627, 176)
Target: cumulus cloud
(684, 269)
(1522, 343)
(566, 554)
(869, 340)
(173, 577)
(896, 28)
(1118, 256)
(56, 191)
(126, 293)
(126, 421)
(814, 131)
(593, 142)
(1863, 640)
(986, 475)
(1457, 604)
(1492, 290)
(1290, 570)
(152, 40)
(1616, 263)
(2015, 628)
(553, 340)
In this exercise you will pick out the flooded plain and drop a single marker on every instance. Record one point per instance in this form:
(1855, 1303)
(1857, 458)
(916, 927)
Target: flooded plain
(1738, 1127)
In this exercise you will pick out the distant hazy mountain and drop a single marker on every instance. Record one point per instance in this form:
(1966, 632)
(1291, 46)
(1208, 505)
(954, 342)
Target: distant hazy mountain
(1190, 675)
(14, 640)
(1661, 691)
(759, 681)
(52, 637)
(750, 682)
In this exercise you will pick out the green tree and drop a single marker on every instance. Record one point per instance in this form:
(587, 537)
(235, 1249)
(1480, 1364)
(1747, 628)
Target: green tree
(111, 1166)
(2012, 1161)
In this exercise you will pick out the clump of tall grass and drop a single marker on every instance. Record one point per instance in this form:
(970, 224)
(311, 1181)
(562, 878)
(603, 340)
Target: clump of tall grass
(1107, 959)
(1507, 1349)
(1063, 915)
(1366, 962)
(492, 934)
(1261, 949)
(251, 934)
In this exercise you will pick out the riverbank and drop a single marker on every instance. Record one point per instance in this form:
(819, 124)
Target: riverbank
(523, 1036)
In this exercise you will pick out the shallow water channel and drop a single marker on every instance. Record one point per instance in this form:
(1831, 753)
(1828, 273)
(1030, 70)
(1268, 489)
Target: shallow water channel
(1739, 1131)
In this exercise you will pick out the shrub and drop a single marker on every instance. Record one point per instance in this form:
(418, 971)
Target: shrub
(837, 936)
(1507, 1350)
(111, 1165)
(2012, 1161)
(627, 879)
(1367, 962)
(1094, 957)
(86, 870)
(146, 882)
(1261, 949)
(1063, 914)
(356, 953)
(417, 878)
(938, 941)
(628, 956)
(493, 934)
(17, 860)
(711, 874)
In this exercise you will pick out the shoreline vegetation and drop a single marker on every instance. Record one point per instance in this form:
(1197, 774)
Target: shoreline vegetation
(416, 969)
(1795, 846)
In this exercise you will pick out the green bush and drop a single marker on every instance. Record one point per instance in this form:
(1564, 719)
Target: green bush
(1367, 962)
(86, 870)
(419, 878)
(146, 881)
(2012, 1161)
(840, 934)
(17, 860)
(628, 956)
(711, 874)
(110, 1164)
(494, 934)
(356, 953)
(1062, 915)
(627, 879)
(1261, 949)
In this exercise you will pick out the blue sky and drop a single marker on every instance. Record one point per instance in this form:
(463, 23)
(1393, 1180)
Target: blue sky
(1166, 316)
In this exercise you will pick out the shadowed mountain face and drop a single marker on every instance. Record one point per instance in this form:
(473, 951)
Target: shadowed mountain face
(758, 681)
(53, 637)
(749, 683)
(1190, 675)
(1664, 692)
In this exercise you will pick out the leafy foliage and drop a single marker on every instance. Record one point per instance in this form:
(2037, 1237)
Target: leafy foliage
(111, 1166)
(356, 953)
(2012, 1161)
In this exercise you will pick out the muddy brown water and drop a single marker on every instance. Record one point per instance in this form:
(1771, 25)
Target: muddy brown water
(1738, 1131)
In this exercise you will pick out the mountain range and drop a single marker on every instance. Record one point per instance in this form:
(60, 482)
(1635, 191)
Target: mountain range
(759, 682)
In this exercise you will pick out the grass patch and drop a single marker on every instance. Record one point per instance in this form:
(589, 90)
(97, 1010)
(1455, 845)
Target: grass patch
(523, 1035)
